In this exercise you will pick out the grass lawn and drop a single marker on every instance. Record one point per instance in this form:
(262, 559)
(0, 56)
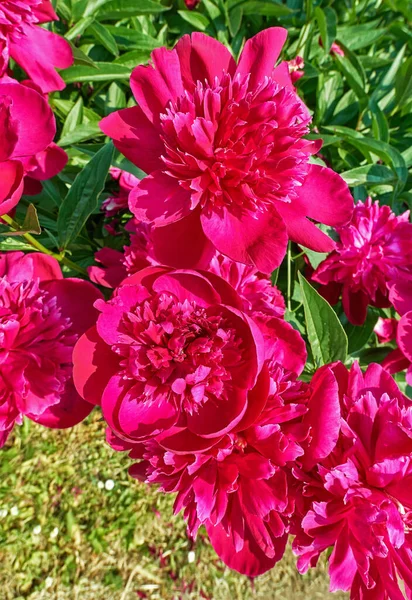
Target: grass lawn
(66, 535)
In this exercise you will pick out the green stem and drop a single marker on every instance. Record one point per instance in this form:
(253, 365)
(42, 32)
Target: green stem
(38, 246)
(289, 275)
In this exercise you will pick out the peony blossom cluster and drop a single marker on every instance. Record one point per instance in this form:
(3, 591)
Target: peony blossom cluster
(188, 355)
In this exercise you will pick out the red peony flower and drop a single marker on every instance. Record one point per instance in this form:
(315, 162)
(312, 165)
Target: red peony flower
(239, 488)
(27, 153)
(41, 317)
(224, 147)
(171, 351)
(37, 50)
(375, 248)
(358, 500)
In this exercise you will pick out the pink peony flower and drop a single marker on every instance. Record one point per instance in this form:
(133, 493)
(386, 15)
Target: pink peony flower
(375, 248)
(171, 350)
(358, 500)
(191, 4)
(119, 201)
(37, 50)
(27, 154)
(41, 317)
(224, 146)
(239, 488)
(400, 359)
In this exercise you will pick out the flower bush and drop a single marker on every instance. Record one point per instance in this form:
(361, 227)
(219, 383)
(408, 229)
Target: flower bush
(206, 236)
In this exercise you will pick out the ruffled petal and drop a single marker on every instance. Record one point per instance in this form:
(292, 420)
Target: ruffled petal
(11, 185)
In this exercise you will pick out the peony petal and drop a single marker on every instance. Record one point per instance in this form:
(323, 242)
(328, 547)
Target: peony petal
(75, 298)
(302, 231)
(11, 185)
(355, 305)
(94, 364)
(37, 126)
(261, 53)
(45, 12)
(250, 560)
(188, 285)
(250, 238)
(342, 564)
(324, 197)
(49, 162)
(70, 410)
(230, 410)
(135, 137)
(160, 200)
(154, 86)
(285, 345)
(203, 58)
(182, 244)
(400, 294)
(404, 335)
(39, 52)
(323, 417)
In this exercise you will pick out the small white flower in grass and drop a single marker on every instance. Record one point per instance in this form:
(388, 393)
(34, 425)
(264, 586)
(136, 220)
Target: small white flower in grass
(109, 485)
(48, 582)
(37, 530)
(14, 511)
(54, 533)
(3, 513)
(191, 557)
(100, 485)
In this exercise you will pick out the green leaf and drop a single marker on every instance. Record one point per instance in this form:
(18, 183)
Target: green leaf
(130, 38)
(85, 131)
(267, 9)
(380, 127)
(354, 73)
(234, 18)
(360, 36)
(403, 85)
(104, 37)
(79, 28)
(80, 58)
(123, 9)
(326, 20)
(31, 221)
(358, 336)
(74, 118)
(386, 84)
(315, 258)
(326, 336)
(102, 72)
(82, 198)
(369, 175)
(196, 19)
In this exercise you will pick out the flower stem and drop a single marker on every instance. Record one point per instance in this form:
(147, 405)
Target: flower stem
(38, 246)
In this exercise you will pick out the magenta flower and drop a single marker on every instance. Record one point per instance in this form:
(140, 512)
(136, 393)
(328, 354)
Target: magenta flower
(35, 49)
(358, 500)
(173, 349)
(27, 153)
(375, 248)
(239, 488)
(296, 68)
(400, 359)
(223, 144)
(41, 317)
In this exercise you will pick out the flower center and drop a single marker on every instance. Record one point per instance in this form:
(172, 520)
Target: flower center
(235, 147)
(35, 346)
(177, 351)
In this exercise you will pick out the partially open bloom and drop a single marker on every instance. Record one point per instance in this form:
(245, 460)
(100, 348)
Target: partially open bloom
(35, 49)
(358, 499)
(224, 145)
(27, 152)
(174, 355)
(374, 249)
(41, 317)
(400, 359)
(296, 68)
(239, 487)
